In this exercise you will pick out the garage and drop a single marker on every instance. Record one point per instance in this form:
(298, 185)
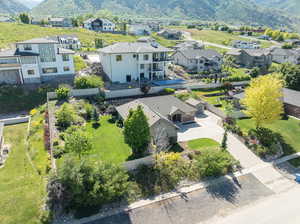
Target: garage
(10, 76)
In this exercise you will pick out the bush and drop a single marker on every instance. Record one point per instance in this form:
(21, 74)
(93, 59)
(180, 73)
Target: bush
(89, 109)
(65, 116)
(213, 163)
(86, 82)
(169, 90)
(79, 63)
(62, 93)
(81, 184)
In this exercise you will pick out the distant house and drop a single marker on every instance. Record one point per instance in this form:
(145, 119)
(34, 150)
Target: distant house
(251, 58)
(191, 44)
(99, 25)
(199, 105)
(240, 44)
(127, 62)
(280, 55)
(155, 26)
(291, 100)
(293, 41)
(60, 22)
(198, 60)
(264, 37)
(36, 61)
(171, 34)
(163, 113)
(6, 19)
(139, 30)
(71, 42)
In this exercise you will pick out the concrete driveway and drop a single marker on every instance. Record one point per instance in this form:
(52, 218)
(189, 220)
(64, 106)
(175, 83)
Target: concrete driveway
(205, 127)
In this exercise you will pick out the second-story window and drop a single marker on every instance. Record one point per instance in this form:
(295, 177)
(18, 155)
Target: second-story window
(142, 66)
(47, 52)
(27, 47)
(146, 57)
(65, 57)
(119, 58)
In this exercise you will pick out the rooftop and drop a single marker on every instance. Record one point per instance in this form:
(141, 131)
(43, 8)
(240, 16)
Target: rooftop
(135, 47)
(46, 40)
(16, 52)
(198, 53)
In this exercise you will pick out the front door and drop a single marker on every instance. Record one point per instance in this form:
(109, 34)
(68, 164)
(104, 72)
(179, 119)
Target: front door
(128, 78)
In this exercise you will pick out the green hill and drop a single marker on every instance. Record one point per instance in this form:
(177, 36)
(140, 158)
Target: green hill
(12, 7)
(236, 11)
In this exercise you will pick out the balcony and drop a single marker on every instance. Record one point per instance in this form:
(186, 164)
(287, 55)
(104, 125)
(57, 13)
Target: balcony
(162, 59)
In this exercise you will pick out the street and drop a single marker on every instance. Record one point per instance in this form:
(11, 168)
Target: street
(276, 209)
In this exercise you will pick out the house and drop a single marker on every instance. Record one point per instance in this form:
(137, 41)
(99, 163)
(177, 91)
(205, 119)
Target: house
(251, 58)
(6, 19)
(154, 26)
(60, 22)
(291, 100)
(280, 55)
(295, 42)
(171, 34)
(198, 60)
(36, 61)
(197, 104)
(139, 30)
(68, 41)
(99, 25)
(191, 44)
(264, 37)
(126, 62)
(240, 44)
(163, 113)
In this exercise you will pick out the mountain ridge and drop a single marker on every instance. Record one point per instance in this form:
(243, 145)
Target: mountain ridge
(12, 7)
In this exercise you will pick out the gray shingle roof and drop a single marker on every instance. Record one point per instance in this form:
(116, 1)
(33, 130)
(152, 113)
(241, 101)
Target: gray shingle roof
(197, 53)
(257, 52)
(156, 108)
(285, 52)
(136, 47)
(14, 53)
(39, 41)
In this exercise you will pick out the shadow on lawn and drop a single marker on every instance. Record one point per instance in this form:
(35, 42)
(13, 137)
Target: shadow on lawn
(226, 190)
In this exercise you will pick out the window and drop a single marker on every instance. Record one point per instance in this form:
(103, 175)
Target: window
(119, 57)
(47, 52)
(49, 70)
(146, 57)
(27, 47)
(30, 72)
(128, 78)
(65, 57)
(142, 66)
(28, 60)
(66, 69)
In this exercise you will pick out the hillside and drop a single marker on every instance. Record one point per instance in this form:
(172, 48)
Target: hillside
(11, 7)
(236, 11)
(289, 6)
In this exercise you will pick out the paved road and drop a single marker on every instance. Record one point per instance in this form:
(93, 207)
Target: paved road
(278, 209)
(198, 206)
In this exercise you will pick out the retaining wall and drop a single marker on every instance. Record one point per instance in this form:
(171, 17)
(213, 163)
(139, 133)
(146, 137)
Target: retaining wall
(16, 120)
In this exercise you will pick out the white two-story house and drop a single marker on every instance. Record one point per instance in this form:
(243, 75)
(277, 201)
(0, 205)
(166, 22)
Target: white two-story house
(98, 24)
(36, 61)
(127, 62)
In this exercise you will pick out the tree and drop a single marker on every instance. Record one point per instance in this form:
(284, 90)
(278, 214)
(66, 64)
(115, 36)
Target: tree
(86, 82)
(95, 115)
(224, 140)
(263, 99)
(255, 72)
(78, 142)
(81, 184)
(227, 86)
(291, 75)
(99, 43)
(137, 131)
(24, 18)
(62, 93)
(228, 63)
(65, 116)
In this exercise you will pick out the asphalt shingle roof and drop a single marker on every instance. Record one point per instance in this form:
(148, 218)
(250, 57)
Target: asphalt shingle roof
(39, 41)
(14, 52)
(197, 53)
(135, 47)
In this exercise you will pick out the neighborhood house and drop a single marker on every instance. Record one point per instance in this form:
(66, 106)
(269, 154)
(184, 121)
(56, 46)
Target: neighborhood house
(100, 25)
(35, 61)
(68, 41)
(245, 44)
(198, 60)
(280, 56)
(139, 30)
(251, 58)
(189, 45)
(171, 34)
(60, 22)
(127, 62)
(163, 112)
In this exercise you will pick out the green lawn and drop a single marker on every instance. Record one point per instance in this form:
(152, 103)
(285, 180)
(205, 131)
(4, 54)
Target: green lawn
(22, 189)
(163, 41)
(203, 143)
(108, 142)
(289, 129)
(13, 32)
(211, 99)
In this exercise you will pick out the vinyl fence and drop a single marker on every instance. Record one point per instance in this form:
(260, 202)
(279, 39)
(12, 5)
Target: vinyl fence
(134, 164)
(76, 93)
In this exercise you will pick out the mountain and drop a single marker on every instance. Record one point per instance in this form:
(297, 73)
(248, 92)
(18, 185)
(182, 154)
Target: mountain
(289, 6)
(30, 3)
(236, 11)
(12, 7)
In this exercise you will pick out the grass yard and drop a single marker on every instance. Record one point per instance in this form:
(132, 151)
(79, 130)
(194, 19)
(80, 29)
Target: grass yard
(163, 41)
(289, 129)
(22, 189)
(211, 99)
(108, 142)
(203, 143)
(14, 32)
